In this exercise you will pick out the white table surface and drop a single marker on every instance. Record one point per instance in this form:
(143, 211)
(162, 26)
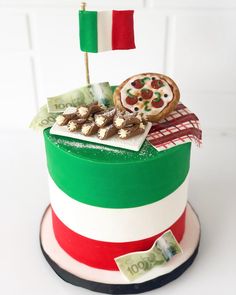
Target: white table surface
(24, 196)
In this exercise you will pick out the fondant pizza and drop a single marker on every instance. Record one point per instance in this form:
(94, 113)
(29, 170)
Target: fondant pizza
(154, 95)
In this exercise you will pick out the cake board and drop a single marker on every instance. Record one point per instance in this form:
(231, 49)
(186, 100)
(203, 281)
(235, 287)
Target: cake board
(113, 282)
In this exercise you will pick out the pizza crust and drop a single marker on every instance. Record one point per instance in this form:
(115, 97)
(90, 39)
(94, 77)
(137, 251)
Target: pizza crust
(166, 110)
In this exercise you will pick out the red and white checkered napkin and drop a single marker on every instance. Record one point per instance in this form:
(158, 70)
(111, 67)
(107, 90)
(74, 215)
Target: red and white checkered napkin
(179, 127)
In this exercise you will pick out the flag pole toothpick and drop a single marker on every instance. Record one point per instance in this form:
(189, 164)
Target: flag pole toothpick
(83, 7)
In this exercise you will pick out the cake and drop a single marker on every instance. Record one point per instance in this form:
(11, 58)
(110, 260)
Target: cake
(107, 202)
(118, 160)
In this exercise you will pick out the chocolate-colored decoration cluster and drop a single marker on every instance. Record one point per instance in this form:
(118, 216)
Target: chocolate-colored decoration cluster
(97, 119)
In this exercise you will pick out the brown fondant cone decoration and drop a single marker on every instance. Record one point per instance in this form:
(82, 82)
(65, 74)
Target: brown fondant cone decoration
(88, 110)
(107, 132)
(122, 121)
(105, 118)
(89, 128)
(64, 119)
(132, 131)
(75, 125)
(93, 119)
(142, 118)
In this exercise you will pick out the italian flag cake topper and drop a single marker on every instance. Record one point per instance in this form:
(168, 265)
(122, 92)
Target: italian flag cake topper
(105, 30)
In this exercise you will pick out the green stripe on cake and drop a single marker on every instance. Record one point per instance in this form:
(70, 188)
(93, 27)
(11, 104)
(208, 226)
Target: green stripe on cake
(109, 177)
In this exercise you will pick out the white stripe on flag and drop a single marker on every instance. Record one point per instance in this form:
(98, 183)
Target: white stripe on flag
(104, 27)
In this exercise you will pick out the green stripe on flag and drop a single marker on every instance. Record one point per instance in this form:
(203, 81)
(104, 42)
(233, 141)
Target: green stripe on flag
(88, 31)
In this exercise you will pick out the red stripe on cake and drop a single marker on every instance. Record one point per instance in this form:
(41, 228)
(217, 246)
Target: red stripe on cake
(122, 29)
(99, 254)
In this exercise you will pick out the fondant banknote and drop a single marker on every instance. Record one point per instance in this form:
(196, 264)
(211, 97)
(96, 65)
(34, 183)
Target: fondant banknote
(43, 119)
(47, 114)
(135, 264)
(100, 92)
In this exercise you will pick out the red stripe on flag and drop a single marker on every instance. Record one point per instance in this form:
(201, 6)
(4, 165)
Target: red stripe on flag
(100, 254)
(122, 29)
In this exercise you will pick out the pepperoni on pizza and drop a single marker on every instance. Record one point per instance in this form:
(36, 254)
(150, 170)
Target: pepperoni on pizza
(154, 95)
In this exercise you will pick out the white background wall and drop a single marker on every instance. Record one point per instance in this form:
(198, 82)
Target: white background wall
(192, 41)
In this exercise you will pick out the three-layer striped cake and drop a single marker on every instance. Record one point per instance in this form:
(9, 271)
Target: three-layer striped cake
(107, 202)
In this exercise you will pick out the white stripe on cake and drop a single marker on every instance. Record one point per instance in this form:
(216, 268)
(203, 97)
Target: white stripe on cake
(119, 225)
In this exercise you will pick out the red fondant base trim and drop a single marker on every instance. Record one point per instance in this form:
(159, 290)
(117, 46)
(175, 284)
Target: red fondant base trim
(101, 254)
